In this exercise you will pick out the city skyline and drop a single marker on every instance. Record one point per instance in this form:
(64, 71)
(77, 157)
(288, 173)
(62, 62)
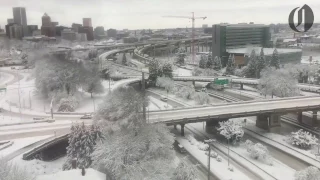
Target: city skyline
(130, 15)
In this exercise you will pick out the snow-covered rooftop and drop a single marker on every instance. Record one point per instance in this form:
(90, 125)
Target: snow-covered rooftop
(267, 51)
(74, 174)
(289, 40)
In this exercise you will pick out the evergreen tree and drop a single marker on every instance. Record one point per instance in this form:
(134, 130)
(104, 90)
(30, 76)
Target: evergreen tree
(217, 63)
(81, 145)
(209, 61)
(181, 55)
(124, 59)
(203, 62)
(167, 69)
(261, 63)
(252, 64)
(230, 65)
(275, 62)
(154, 70)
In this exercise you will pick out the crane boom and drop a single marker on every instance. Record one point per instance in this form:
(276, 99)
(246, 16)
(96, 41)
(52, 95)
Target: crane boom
(193, 32)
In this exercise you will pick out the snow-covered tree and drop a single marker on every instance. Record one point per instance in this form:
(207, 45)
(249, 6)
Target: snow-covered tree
(154, 70)
(209, 61)
(278, 82)
(167, 69)
(258, 151)
(203, 61)
(202, 98)
(11, 171)
(302, 139)
(275, 62)
(92, 82)
(140, 153)
(184, 171)
(82, 140)
(217, 63)
(124, 59)
(261, 63)
(186, 92)
(309, 173)
(250, 70)
(230, 65)
(166, 83)
(121, 108)
(93, 53)
(231, 130)
(68, 104)
(181, 55)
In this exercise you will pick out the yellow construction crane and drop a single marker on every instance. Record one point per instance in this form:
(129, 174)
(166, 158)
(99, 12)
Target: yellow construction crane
(193, 22)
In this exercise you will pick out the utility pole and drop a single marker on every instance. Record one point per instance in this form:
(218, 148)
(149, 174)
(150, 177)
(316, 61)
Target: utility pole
(144, 97)
(209, 141)
(19, 99)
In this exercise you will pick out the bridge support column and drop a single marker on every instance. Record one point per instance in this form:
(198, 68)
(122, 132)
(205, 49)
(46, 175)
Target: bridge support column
(202, 48)
(241, 86)
(175, 126)
(186, 48)
(314, 117)
(269, 122)
(182, 129)
(194, 84)
(300, 117)
(211, 124)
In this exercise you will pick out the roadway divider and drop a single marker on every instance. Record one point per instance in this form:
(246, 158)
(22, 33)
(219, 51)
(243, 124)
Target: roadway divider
(30, 122)
(6, 145)
(70, 113)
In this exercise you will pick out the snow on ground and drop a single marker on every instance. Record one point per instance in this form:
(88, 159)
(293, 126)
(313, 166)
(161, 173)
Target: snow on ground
(173, 96)
(278, 169)
(9, 120)
(183, 72)
(35, 125)
(22, 142)
(160, 104)
(74, 174)
(37, 167)
(5, 78)
(220, 169)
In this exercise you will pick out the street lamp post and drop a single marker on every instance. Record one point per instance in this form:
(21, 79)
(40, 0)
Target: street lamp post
(209, 141)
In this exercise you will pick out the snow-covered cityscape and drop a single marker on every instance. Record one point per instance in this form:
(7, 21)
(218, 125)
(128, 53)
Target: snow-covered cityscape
(159, 90)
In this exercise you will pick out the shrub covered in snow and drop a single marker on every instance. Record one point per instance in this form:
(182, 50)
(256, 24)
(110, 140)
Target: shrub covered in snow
(191, 139)
(202, 98)
(310, 173)
(302, 139)
(184, 171)
(166, 83)
(202, 146)
(231, 130)
(186, 92)
(258, 151)
(9, 171)
(68, 104)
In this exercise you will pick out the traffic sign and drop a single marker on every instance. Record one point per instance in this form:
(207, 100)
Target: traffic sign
(221, 81)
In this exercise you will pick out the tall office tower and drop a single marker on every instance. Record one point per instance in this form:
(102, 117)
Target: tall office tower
(47, 28)
(87, 22)
(20, 18)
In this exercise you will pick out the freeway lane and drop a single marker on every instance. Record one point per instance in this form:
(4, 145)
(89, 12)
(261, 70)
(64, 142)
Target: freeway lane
(241, 109)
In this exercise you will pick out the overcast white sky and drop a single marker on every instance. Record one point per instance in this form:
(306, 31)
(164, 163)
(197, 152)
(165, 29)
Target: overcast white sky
(143, 14)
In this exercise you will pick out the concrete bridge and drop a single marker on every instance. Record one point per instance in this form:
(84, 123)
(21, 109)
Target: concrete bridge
(268, 112)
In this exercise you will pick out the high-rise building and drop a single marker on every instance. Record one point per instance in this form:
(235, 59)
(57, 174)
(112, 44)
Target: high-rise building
(87, 22)
(32, 28)
(16, 31)
(75, 27)
(82, 37)
(88, 31)
(47, 28)
(59, 29)
(20, 18)
(68, 34)
(112, 33)
(204, 25)
(10, 21)
(99, 32)
(233, 36)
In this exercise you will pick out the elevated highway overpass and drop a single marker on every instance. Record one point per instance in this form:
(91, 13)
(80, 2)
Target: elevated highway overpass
(268, 112)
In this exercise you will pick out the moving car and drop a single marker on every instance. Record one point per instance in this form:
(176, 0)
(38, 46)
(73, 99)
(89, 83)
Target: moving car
(163, 98)
(86, 116)
(179, 147)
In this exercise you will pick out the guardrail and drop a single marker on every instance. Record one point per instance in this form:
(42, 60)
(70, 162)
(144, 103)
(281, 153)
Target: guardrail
(28, 155)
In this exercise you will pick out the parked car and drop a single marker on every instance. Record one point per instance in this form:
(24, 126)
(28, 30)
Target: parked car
(49, 119)
(163, 98)
(179, 147)
(86, 116)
